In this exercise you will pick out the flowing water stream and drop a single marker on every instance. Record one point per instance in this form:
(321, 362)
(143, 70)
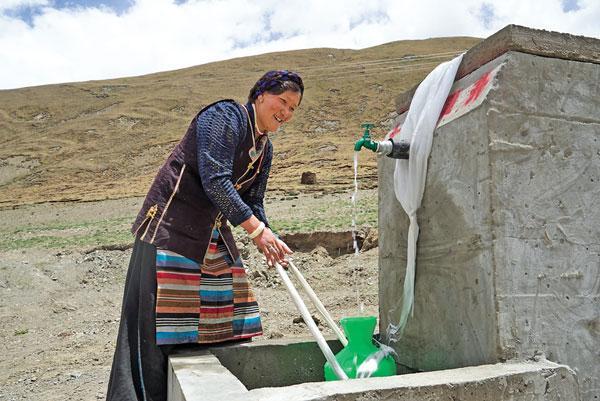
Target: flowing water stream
(355, 260)
(354, 195)
(369, 365)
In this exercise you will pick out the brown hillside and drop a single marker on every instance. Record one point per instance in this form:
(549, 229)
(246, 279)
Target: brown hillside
(106, 139)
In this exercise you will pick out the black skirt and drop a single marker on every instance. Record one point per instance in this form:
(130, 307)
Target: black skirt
(139, 368)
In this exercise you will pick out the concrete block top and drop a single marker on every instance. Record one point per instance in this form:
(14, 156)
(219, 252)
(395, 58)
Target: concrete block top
(515, 381)
(520, 39)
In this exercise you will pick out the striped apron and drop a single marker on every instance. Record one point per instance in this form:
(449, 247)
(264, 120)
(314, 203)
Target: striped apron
(206, 303)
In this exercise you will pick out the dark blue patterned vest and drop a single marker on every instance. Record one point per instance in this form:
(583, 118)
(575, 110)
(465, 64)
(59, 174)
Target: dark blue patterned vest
(177, 214)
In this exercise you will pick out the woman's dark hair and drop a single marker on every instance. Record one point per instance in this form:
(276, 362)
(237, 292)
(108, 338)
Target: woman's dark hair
(276, 82)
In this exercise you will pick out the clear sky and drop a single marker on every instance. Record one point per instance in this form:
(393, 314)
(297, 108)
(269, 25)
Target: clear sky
(52, 41)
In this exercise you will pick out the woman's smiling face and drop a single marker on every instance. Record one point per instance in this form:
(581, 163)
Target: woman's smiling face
(274, 110)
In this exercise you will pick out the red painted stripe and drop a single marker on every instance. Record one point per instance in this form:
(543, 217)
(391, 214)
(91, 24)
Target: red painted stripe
(395, 131)
(450, 102)
(478, 87)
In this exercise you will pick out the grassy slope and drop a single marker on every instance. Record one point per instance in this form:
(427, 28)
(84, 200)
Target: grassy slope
(69, 226)
(106, 139)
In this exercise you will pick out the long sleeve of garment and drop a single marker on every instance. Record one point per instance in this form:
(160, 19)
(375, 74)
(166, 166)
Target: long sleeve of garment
(218, 133)
(255, 195)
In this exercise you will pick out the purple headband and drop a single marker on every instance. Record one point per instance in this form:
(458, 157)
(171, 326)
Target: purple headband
(275, 81)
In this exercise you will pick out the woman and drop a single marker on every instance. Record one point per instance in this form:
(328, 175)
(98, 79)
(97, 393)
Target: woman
(186, 282)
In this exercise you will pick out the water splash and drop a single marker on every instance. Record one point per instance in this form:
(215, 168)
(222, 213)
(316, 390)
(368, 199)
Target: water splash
(370, 365)
(394, 332)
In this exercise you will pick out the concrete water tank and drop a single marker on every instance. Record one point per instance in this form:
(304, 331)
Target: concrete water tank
(508, 259)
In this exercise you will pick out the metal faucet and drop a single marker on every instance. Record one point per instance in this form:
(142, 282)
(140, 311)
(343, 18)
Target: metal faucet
(366, 140)
(395, 150)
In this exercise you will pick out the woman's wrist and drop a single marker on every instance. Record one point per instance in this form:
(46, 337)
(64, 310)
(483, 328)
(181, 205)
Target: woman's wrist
(250, 224)
(257, 231)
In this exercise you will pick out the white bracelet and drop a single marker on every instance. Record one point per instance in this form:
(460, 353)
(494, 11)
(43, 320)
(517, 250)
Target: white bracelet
(258, 230)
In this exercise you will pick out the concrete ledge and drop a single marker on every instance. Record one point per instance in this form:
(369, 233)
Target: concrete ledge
(505, 381)
(200, 375)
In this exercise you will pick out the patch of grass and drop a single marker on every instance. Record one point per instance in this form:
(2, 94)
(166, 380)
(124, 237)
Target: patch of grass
(304, 215)
(59, 235)
(335, 215)
(20, 332)
(98, 224)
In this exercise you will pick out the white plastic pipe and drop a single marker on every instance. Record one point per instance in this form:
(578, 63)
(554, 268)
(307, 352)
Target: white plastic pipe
(339, 372)
(320, 307)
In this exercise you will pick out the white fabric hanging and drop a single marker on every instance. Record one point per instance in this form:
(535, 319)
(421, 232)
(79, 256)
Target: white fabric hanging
(409, 175)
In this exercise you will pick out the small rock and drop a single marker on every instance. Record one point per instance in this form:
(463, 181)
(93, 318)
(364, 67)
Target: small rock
(300, 320)
(275, 334)
(308, 178)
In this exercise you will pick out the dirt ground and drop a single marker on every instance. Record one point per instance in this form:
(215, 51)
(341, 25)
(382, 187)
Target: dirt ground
(60, 307)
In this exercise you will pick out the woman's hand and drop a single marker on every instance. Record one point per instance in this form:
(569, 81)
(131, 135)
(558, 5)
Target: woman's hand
(272, 247)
